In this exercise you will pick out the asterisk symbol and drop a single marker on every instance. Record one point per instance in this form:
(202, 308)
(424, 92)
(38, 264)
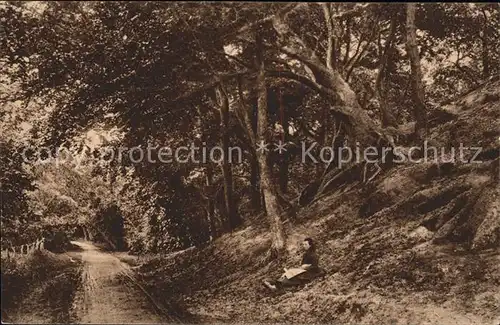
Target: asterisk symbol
(262, 146)
(280, 147)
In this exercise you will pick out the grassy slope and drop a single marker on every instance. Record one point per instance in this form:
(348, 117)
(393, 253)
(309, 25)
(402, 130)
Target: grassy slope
(382, 265)
(39, 288)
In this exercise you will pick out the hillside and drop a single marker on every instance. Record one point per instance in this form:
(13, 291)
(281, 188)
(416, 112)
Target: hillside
(418, 245)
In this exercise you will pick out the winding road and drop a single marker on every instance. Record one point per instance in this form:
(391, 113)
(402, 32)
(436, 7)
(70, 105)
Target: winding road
(109, 293)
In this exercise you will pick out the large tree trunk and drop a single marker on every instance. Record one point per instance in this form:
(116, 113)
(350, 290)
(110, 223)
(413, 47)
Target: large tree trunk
(331, 84)
(249, 123)
(485, 51)
(323, 135)
(328, 81)
(85, 233)
(210, 202)
(360, 124)
(273, 209)
(208, 193)
(283, 156)
(254, 184)
(418, 94)
(234, 219)
(331, 57)
(386, 115)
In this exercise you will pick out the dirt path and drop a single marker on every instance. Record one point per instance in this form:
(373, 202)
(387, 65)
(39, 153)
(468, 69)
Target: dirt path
(108, 295)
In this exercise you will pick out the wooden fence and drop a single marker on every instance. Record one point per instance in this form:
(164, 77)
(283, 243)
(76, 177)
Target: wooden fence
(25, 249)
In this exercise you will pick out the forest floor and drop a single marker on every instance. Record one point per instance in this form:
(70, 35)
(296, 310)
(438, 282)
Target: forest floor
(391, 279)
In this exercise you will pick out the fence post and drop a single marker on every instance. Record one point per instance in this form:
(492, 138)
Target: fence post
(25, 249)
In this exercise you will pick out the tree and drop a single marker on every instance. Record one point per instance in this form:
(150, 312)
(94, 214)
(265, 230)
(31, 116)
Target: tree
(329, 82)
(386, 118)
(231, 212)
(273, 208)
(418, 93)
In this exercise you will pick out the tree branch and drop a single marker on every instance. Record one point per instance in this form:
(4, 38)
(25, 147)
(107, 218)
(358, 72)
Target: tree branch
(384, 57)
(303, 80)
(283, 12)
(358, 47)
(361, 55)
(242, 114)
(348, 42)
(209, 84)
(356, 11)
(330, 36)
(296, 48)
(238, 60)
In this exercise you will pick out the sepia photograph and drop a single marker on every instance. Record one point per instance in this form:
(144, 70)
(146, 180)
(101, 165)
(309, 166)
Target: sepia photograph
(205, 162)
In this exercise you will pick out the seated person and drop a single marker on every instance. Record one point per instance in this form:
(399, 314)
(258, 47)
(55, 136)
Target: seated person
(295, 276)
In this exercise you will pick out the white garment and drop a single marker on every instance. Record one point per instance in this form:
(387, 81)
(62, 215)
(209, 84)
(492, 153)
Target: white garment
(290, 273)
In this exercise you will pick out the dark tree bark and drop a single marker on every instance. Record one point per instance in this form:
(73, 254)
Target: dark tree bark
(273, 208)
(233, 217)
(331, 65)
(249, 123)
(418, 95)
(284, 156)
(331, 54)
(485, 51)
(386, 115)
(85, 233)
(210, 202)
(254, 184)
(208, 191)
